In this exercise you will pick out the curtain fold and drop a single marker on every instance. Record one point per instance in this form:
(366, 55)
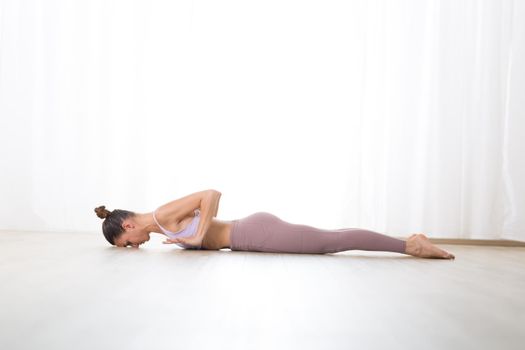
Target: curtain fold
(396, 116)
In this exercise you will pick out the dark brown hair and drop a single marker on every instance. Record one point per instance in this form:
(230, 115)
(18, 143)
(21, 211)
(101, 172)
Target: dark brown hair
(112, 225)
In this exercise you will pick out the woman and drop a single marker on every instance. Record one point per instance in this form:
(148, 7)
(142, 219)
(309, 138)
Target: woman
(190, 222)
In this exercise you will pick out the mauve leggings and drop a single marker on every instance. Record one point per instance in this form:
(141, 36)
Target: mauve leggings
(265, 232)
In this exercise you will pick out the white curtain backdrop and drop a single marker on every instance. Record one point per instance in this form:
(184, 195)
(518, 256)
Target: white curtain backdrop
(395, 116)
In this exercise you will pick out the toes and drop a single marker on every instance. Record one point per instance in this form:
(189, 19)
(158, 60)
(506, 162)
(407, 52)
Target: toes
(447, 255)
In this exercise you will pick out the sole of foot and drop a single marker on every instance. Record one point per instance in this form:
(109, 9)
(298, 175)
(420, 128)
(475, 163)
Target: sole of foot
(420, 246)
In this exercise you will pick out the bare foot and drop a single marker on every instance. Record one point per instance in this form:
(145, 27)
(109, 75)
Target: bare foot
(419, 245)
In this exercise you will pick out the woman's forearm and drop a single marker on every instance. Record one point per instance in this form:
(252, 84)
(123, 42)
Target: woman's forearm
(209, 209)
(217, 205)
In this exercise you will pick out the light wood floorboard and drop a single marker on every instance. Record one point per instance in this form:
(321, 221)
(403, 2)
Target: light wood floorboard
(74, 291)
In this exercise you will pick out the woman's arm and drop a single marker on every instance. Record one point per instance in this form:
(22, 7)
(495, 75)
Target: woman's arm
(180, 208)
(209, 207)
(217, 205)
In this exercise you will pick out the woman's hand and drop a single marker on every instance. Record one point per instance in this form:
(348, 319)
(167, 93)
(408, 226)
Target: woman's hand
(193, 241)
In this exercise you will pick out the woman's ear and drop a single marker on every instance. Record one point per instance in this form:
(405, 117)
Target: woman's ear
(126, 225)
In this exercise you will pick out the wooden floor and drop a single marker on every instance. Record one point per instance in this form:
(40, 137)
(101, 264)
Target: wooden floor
(75, 291)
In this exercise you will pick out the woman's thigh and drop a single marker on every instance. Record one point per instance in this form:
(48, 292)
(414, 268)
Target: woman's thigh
(265, 232)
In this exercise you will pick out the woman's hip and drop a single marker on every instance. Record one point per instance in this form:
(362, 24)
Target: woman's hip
(253, 231)
(265, 232)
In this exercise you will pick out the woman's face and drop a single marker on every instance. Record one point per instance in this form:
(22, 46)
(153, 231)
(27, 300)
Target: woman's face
(132, 235)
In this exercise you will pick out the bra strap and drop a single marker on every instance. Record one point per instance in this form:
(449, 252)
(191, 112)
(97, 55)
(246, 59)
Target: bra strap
(154, 218)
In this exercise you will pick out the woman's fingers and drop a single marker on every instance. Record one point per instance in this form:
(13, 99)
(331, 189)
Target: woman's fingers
(172, 240)
(191, 241)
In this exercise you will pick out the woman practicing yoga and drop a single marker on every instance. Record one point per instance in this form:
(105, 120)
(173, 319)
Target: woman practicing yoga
(190, 222)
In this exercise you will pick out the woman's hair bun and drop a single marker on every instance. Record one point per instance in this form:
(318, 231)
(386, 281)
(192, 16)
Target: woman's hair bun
(102, 212)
